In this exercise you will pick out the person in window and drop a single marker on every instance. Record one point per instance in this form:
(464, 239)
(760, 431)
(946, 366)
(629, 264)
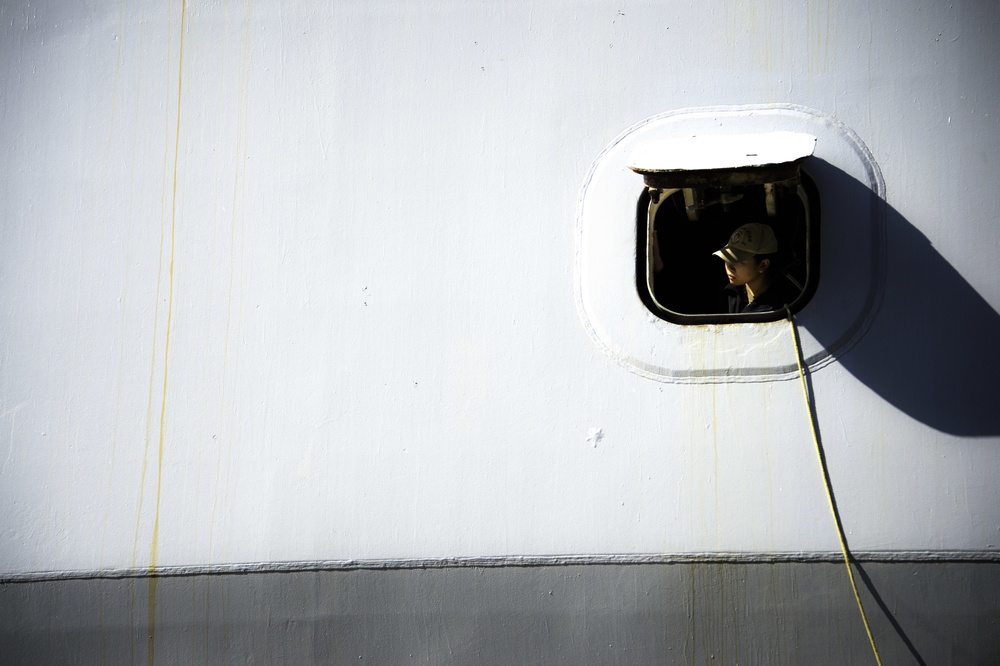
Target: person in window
(755, 282)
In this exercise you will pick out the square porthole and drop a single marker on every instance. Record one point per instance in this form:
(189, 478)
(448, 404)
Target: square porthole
(651, 294)
(727, 227)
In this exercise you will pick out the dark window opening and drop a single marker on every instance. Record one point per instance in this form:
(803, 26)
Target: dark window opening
(677, 276)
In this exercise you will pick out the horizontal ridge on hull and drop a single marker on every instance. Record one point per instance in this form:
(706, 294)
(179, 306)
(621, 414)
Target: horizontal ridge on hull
(898, 557)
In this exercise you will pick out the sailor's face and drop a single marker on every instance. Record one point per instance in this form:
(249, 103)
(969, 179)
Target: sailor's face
(741, 272)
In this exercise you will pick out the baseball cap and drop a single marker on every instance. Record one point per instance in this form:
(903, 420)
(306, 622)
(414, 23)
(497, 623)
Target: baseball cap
(748, 240)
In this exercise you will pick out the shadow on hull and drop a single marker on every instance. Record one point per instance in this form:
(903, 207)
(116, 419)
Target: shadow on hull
(929, 348)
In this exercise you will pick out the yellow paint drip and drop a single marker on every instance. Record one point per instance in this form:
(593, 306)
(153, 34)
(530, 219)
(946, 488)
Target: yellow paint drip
(149, 399)
(155, 542)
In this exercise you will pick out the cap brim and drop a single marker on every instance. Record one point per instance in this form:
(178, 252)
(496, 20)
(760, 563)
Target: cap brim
(732, 255)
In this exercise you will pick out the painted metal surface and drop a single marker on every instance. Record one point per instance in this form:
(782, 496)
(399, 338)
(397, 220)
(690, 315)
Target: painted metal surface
(295, 281)
(705, 613)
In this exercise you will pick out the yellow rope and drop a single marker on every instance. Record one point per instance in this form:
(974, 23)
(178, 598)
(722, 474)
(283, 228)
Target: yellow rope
(829, 485)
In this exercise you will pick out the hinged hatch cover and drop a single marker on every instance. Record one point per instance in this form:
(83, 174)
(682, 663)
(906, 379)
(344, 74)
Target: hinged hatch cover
(716, 160)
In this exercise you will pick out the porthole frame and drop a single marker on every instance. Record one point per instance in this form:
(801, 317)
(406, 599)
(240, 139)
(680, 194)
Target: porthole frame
(840, 312)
